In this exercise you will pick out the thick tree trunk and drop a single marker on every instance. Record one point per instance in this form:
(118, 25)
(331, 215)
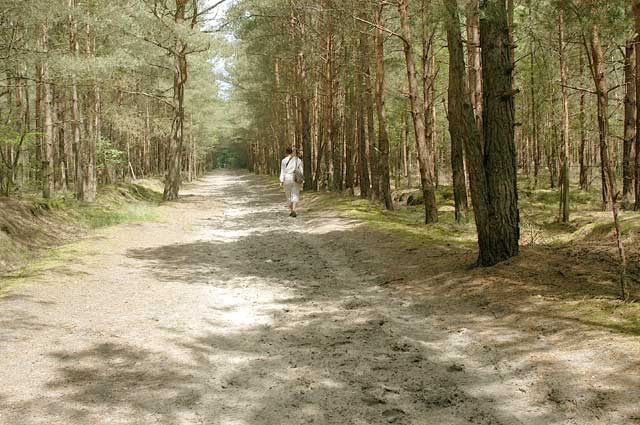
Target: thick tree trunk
(492, 160)
(383, 138)
(425, 156)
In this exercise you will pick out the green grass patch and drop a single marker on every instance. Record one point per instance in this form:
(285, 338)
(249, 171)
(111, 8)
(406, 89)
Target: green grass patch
(98, 216)
(610, 313)
(36, 225)
(407, 222)
(118, 204)
(53, 257)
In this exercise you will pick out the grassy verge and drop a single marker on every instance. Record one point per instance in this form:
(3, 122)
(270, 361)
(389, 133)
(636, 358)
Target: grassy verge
(587, 242)
(37, 233)
(117, 205)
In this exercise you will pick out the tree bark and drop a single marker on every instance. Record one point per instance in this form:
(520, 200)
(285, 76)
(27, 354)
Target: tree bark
(491, 159)
(463, 126)
(460, 108)
(383, 138)
(371, 135)
(365, 180)
(602, 89)
(475, 61)
(425, 156)
(636, 16)
(564, 157)
(629, 122)
(47, 160)
(173, 173)
(583, 148)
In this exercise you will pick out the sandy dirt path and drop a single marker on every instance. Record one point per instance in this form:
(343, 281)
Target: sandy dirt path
(230, 313)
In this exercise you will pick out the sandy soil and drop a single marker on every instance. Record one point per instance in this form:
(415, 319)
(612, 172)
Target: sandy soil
(231, 313)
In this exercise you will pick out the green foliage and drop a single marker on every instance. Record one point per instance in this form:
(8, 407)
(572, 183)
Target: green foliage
(108, 156)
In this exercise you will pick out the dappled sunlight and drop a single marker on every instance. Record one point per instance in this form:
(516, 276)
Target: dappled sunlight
(249, 317)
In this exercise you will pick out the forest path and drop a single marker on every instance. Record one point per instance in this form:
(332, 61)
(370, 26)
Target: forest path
(231, 313)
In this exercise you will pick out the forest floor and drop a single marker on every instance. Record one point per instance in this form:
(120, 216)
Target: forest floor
(226, 311)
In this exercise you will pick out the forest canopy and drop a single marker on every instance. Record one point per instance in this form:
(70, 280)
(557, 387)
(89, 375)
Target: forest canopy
(95, 92)
(492, 97)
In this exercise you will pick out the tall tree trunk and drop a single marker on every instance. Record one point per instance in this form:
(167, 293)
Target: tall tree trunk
(463, 125)
(39, 127)
(371, 134)
(47, 160)
(564, 157)
(329, 108)
(383, 138)
(173, 173)
(425, 156)
(499, 236)
(365, 181)
(583, 148)
(602, 89)
(475, 61)
(629, 122)
(76, 120)
(460, 109)
(306, 125)
(636, 16)
(349, 138)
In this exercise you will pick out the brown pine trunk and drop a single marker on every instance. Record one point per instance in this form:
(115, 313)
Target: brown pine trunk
(39, 121)
(425, 156)
(463, 126)
(363, 155)
(146, 151)
(47, 160)
(329, 109)
(349, 138)
(383, 138)
(629, 122)
(173, 173)
(564, 157)
(306, 125)
(475, 62)
(460, 109)
(636, 15)
(602, 89)
(583, 148)
(499, 236)
(339, 144)
(371, 134)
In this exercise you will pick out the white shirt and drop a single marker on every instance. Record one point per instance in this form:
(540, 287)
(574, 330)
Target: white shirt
(288, 167)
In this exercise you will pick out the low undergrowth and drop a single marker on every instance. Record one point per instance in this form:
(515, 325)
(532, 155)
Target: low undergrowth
(556, 250)
(31, 227)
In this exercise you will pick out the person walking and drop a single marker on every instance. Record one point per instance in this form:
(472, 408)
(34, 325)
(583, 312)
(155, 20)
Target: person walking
(290, 176)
